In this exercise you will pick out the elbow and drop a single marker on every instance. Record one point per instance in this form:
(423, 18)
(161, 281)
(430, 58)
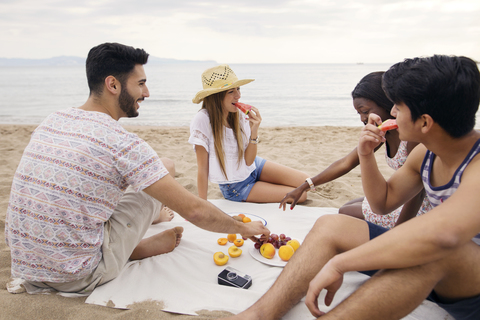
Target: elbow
(448, 240)
(195, 213)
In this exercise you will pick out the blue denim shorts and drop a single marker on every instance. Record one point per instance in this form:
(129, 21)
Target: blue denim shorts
(239, 191)
(464, 309)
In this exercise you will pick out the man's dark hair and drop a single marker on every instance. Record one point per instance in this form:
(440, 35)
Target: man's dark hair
(445, 87)
(111, 59)
(370, 87)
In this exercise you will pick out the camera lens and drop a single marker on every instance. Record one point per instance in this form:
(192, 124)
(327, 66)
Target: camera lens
(232, 276)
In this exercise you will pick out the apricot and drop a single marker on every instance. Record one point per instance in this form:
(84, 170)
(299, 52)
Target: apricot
(231, 237)
(222, 241)
(294, 243)
(286, 252)
(241, 215)
(246, 219)
(267, 250)
(238, 242)
(220, 258)
(238, 218)
(234, 252)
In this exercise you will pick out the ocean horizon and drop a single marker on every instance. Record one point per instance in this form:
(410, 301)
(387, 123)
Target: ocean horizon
(285, 94)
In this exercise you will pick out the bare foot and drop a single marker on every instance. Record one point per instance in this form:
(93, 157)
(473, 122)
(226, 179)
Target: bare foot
(166, 214)
(160, 243)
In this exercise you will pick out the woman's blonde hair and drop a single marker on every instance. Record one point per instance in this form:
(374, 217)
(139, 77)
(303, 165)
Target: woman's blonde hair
(213, 105)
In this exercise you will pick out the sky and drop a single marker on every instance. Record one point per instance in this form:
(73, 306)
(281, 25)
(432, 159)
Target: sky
(251, 31)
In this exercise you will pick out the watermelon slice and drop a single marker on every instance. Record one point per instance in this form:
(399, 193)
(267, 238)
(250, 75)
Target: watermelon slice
(389, 124)
(245, 108)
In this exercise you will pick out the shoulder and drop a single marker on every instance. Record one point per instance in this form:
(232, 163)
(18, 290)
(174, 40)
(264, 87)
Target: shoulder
(409, 145)
(201, 118)
(415, 157)
(202, 114)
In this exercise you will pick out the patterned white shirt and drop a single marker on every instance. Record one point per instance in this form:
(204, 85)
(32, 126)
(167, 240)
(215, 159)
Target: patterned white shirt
(71, 177)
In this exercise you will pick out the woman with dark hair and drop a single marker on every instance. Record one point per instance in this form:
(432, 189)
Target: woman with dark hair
(368, 97)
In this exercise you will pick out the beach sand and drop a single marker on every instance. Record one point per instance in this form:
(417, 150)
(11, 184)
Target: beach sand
(310, 149)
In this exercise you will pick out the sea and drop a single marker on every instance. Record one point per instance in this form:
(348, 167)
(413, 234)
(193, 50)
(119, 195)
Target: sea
(286, 94)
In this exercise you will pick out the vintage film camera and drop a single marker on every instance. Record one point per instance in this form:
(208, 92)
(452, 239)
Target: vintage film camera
(234, 278)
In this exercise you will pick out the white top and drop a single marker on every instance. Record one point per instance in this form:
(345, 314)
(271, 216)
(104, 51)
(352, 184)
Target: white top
(71, 177)
(201, 134)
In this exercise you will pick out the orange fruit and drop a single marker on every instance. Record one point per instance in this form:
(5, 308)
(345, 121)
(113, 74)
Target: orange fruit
(241, 215)
(238, 242)
(220, 258)
(231, 237)
(267, 250)
(246, 219)
(286, 252)
(234, 252)
(222, 241)
(294, 243)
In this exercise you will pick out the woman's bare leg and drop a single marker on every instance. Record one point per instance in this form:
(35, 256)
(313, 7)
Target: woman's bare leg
(353, 208)
(275, 182)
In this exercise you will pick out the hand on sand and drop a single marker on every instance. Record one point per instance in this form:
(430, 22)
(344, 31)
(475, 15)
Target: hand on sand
(166, 214)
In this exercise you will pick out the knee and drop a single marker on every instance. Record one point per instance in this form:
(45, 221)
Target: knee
(170, 165)
(341, 232)
(327, 225)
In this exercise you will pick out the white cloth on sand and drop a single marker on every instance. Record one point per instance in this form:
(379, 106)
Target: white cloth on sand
(185, 280)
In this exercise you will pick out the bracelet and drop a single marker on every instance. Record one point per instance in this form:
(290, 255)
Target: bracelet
(310, 183)
(254, 141)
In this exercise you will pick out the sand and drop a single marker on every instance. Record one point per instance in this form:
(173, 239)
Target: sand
(310, 149)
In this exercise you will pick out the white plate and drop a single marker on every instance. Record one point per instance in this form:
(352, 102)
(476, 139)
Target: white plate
(275, 261)
(251, 216)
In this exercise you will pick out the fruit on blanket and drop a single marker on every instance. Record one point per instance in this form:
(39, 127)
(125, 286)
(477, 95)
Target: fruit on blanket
(241, 215)
(238, 218)
(267, 250)
(278, 240)
(246, 219)
(238, 242)
(222, 241)
(231, 237)
(294, 243)
(220, 258)
(234, 251)
(286, 252)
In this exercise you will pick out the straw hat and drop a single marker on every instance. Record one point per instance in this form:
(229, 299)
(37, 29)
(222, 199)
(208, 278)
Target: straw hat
(218, 79)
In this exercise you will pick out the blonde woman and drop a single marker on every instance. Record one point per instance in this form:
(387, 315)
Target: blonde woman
(225, 141)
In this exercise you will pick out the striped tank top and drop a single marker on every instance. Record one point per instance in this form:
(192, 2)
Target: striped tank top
(437, 195)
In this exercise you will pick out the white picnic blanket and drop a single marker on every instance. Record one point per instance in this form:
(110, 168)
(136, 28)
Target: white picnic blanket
(185, 280)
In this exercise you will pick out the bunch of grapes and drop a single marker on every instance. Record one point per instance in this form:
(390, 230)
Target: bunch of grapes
(276, 240)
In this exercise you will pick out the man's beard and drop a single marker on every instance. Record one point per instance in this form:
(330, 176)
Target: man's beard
(127, 103)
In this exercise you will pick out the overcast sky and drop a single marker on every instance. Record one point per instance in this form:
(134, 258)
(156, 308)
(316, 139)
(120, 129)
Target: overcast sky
(251, 31)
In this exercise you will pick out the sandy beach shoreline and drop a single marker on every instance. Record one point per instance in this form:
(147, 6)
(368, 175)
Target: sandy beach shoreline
(310, 149)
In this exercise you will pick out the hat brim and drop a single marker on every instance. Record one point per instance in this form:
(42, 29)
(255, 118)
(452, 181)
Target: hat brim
(207, 92)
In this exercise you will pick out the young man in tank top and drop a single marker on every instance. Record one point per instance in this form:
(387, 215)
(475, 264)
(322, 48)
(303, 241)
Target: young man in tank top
(434, 256)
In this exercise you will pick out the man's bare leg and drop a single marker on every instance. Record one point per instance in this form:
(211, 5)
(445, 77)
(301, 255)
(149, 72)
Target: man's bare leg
(160, 243)
(330, 235)
(393, 294)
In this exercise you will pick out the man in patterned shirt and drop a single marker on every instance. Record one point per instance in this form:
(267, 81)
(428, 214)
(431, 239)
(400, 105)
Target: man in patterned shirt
(71, 223)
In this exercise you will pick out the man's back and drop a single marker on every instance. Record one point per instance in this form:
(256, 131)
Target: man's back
(71, 177)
